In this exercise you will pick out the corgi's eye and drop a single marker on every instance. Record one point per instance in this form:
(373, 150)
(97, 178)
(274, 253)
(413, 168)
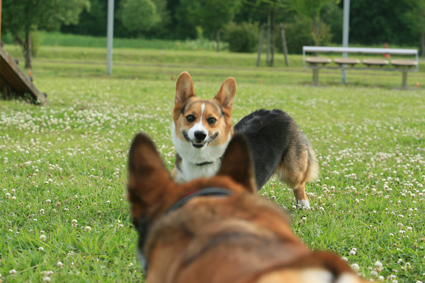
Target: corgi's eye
(211, 120)
(190, 118)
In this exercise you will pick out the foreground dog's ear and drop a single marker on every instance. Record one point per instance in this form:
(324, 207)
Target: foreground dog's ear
(148, 178)
(226, 94)
(184, 89)
(237, 163)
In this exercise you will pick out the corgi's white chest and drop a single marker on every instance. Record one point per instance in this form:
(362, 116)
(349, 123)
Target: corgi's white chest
(190, 171)
(192, 156)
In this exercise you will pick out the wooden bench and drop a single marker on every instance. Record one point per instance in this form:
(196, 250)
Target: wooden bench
(398, 65)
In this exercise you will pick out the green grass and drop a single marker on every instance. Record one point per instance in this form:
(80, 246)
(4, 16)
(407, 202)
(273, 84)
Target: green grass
(67, 160)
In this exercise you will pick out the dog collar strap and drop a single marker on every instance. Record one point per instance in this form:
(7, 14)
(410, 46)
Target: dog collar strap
(204, 163)
(208, 192)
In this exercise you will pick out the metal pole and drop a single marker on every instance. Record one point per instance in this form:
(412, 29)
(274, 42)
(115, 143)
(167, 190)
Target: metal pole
(110, 34)
(345, 30)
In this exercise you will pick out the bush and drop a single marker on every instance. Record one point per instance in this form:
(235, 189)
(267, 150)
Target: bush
(300, 33)
(241, 37)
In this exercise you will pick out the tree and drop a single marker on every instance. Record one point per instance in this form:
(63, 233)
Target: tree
(211, 15)
(312, 9)
(269, 8)
(379, 22)
(416, 21)
(23, 17)
(139, 15)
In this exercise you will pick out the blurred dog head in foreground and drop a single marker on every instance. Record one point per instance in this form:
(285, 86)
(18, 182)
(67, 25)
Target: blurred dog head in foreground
(217, 229)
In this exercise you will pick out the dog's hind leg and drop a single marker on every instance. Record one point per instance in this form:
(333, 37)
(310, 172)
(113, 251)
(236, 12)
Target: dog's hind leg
(301, 198)
(298, 165)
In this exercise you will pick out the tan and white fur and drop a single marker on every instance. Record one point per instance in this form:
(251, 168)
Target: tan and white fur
(202, 129)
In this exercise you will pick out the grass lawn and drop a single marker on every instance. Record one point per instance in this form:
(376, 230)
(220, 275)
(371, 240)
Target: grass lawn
(63, 210)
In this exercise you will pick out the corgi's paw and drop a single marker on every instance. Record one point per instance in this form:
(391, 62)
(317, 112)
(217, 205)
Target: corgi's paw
(303, 204)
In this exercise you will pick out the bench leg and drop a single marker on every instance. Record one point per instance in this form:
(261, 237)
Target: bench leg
(315, 76)
(404, 82)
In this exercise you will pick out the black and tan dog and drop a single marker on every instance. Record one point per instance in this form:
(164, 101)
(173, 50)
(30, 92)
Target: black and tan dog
(202, 128)
(218, 229)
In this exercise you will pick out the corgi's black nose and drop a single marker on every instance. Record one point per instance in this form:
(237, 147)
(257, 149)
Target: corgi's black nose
(200, 136)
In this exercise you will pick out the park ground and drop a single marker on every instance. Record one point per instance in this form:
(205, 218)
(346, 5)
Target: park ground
(63, 211)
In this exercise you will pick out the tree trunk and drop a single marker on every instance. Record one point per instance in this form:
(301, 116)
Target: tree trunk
(218, 40)
(284, 47)
(273, 40)
(268, 40)
(423, 44)
(315, 29)
(260, 46)
(28, 51)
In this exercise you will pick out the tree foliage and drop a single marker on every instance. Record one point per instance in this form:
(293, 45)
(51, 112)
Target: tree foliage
(211, 15)
(415, 18)
(377, 22)
(28, 15)
(138, 15)
(313, 10)
(23, 17)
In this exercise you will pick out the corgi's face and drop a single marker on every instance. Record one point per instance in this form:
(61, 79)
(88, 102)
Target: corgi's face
(201, 123)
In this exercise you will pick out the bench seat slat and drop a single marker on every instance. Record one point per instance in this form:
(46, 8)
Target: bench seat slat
(349, 61)
(375, 62)
(404, 63)
(318, 60)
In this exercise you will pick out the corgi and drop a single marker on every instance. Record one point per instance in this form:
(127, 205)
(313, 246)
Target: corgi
(202, 128)
(217, 229)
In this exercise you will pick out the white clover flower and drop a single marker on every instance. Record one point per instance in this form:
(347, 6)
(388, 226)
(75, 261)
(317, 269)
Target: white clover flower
(41, 249)
(381, 278)
(374, 273)
(46, 279)
(12, 272)
(87, 229)
(352, 252)
(48, 201)
(355, 267)
(43, 238)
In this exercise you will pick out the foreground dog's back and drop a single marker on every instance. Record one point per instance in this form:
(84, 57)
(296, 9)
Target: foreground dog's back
(217, 229)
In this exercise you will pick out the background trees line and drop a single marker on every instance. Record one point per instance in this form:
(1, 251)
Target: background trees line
(397, 22)
(308, 22)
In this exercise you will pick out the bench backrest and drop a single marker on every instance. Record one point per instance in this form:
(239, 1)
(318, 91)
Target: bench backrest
(361, 50)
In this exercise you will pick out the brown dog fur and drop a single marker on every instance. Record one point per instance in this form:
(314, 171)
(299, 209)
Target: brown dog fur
(239, 238)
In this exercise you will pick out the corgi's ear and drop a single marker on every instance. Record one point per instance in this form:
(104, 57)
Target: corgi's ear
(148, 179)
(184, 89)
(226, 94)
(236, 163)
